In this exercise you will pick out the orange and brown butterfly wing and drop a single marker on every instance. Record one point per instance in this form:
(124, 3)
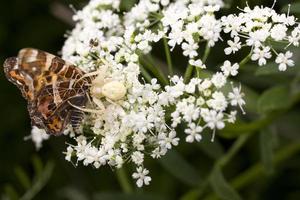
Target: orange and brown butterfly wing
(54, 116)
(17, 76)
(49, 84)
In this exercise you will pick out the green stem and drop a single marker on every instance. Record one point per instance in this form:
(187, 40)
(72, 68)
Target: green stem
(168, 56)
(188, 73)
(204, 58)
(206, 53)
(123, 180)
(148, 64)
(156, 70)
(245, 60)
(145, 74)
(233, 150)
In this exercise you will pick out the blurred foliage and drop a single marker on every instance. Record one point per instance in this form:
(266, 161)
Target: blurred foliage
(257, 158)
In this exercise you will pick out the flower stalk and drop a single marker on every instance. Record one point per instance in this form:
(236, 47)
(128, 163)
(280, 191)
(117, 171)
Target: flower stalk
(168, 56)
(124, 181)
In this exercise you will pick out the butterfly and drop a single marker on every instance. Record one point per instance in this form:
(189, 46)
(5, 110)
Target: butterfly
(52, 88)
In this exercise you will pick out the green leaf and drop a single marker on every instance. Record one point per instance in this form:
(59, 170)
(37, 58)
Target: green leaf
(266, 138)
(123, 180)
(239, 128)
(221, 186)
(194, 194)
(71, 193)
(127, 4)
(37, 165)
(275, 98)
(23, 177)
(250, 98)
(176, 165)
(10, 192)
(122, 196)
(272, 69)
(40, 182)
(295, 8)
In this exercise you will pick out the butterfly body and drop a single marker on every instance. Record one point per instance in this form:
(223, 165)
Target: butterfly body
(51, 87)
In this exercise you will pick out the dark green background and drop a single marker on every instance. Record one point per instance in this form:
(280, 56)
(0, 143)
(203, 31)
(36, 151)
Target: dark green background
(32, 23)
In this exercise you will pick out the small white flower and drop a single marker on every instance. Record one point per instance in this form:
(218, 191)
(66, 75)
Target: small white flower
(137, 157)
(214, 119)
(218, 101)
(165, 2)
(234, 46)
(38, 136)
(119, 161)
(236, 97)
(218, 79)
(190, 49)
(232, 117)
(261, 55)
(69, 153)
(229, 69)
(232, 24)
(197, 63)
(141, 176)
(158, 152)
(166, 141)
(278, 32)
(294, 38)
(176, 36)
(284, 60)
(256, 38)
(193, 133)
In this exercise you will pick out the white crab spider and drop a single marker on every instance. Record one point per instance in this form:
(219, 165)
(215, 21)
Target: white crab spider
(102, 87)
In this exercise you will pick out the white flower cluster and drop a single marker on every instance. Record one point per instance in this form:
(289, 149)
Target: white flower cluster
(260, 28)
(143, 120)
(37, 136)
(136, 126)
(98, 20)
(186, 23)
(128, 119)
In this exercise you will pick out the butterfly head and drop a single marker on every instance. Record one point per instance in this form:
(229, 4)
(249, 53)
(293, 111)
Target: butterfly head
(11, 70)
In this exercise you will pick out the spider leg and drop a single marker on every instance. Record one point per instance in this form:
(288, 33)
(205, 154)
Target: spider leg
(99, 103)
(89, 98)
(87, 110)
(101, 71)
(111, 101)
